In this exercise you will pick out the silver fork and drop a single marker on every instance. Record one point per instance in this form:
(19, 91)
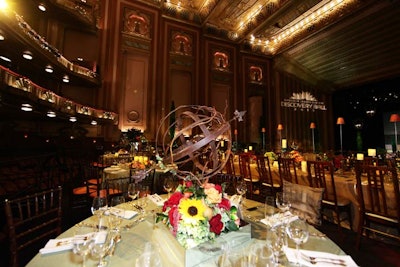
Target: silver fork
(315, 260)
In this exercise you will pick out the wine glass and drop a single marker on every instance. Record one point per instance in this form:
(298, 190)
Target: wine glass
(297, 230)
(99, 206)
(241, 189)
(277, 241)
(143, 199)
(116, 214)
(133, 190)
(103, 242)
(168, 185)
(269, 208)
(283, 201)
(82, 240)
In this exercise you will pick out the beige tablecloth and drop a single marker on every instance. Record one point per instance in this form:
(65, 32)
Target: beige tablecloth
(134, 240)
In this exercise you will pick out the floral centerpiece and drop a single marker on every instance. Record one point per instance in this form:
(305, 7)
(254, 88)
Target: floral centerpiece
(196, 214)
(294, 154)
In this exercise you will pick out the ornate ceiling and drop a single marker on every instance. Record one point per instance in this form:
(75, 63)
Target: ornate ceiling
(335, 43)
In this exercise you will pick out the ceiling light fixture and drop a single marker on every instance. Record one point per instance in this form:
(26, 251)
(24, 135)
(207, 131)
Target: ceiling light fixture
(26, 107)
(49, 69)
(42, 7)
(27, 55)
(66, 79)
(93, 122)
(72, 119)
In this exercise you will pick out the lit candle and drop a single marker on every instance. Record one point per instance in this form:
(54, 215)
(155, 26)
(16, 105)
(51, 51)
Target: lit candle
(372, 152)
(360, 156)
(304, 166)
(284, 143)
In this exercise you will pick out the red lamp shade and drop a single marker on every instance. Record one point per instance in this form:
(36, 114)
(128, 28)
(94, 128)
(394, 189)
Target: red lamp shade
(280, 126)
(340, 120)
(312, 125)
(394, 118)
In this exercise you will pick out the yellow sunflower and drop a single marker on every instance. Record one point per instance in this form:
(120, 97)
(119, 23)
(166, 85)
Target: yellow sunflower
(192, 210)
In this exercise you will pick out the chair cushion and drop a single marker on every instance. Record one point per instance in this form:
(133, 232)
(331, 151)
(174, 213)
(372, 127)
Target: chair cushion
(305, 201)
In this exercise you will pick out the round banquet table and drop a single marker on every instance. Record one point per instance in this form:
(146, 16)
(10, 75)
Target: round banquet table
(135, 237)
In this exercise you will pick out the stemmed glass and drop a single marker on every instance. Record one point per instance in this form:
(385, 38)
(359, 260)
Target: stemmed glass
(82, 240)
(168, 185)
(116, 215)
(241, 189)
(99, 206)
(133, 191)
(142, 201)
(283, 201)
(297, 230)
(277, 241)
(103, 242)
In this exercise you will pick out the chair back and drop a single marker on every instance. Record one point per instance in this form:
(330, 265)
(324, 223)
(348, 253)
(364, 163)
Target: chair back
(244, 166)
(31, 221)
(115, 187)
(321, 175)
(229, 165)
(379, 198)
(378, 191)
(287, 169)
(264, 170)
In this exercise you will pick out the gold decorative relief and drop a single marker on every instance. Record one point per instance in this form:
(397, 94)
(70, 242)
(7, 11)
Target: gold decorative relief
(181, 44)
(255, 74)
(221, 61)
(137, 23)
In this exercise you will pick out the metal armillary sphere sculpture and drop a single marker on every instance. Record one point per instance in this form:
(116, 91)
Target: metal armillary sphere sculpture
(200, 134)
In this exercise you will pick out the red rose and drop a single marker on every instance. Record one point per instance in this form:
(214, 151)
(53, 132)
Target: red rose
(174, 217)
(219, 188)
(188, 183)
(216, 225)
(174, 200)
(224, 204)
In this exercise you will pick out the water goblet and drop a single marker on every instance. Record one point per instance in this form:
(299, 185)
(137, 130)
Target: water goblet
(82, 240)
(143, 200)
(99, 206)
(269, 207)
(168, 185)
(102, 243)
(277, 241)
(283, 201)
(297, 230)
(133, 190)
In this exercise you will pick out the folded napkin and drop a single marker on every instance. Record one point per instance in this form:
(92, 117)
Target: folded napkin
(128, 214)
(57, 245)
(316, 258)
(279, 218)
(159, 201)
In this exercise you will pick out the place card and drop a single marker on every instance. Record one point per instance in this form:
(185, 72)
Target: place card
(159, 201)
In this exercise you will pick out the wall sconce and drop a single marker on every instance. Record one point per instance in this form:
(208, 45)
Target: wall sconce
(49, 69)
(27, 55)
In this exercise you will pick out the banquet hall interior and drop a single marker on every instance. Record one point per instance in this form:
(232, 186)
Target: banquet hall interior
(86, 80)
